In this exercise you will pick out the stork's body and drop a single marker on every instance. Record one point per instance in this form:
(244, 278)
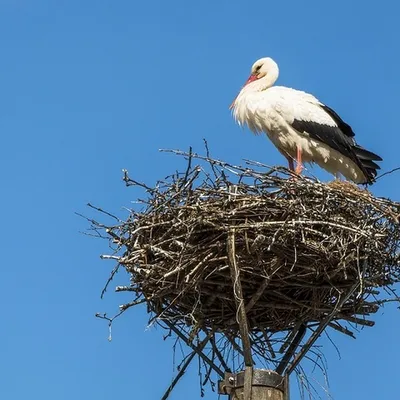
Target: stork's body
(301, 127)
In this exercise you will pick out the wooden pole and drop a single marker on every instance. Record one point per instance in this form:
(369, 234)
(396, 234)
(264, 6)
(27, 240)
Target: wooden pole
(265, 385)
(260, 393)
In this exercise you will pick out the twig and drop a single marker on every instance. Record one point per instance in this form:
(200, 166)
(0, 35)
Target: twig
(387, 173)
(183, 368)
(195, 348)
(111, 277)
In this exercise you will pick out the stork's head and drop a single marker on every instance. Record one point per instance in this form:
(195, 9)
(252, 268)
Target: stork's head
(263, 67)
(263, 75)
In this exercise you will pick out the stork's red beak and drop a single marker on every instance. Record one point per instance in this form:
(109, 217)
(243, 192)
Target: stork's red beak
(250, 79)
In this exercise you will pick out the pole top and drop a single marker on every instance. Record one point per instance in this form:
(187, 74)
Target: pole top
(260, 377)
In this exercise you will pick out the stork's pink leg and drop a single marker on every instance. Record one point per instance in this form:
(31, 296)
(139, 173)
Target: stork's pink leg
(299, 164)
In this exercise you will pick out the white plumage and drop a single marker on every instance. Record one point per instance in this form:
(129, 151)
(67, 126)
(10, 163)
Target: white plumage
(300, 126)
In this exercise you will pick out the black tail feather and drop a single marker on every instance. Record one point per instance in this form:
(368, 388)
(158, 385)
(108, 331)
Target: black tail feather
(366, 160)
(365, 154)
(370, 164)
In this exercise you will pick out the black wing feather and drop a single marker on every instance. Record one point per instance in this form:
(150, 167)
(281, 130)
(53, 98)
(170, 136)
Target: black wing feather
(341, 139)
(343, 126)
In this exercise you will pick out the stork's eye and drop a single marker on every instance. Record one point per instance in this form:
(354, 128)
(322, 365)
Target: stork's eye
(257, 68)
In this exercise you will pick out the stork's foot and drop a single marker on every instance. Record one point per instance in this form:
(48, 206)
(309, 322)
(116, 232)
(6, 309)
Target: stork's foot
(299, 169)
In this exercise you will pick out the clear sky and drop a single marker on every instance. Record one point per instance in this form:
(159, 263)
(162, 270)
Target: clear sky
(90, 87)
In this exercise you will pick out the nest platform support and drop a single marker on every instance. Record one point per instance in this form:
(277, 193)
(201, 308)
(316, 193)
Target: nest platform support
(263, 384)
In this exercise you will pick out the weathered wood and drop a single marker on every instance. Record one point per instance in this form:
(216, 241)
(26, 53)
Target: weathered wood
(255, 384)
(248, 383)
(260, 393)
(238, 295)
(292, 348)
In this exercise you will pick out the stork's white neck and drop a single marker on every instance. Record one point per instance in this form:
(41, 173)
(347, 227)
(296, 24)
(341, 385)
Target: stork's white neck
(265, 82)
(243, 106)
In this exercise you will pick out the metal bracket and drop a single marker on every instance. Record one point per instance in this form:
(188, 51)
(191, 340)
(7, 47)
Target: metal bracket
(261, 377)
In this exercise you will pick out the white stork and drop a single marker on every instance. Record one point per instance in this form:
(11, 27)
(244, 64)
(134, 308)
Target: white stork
(301, 127)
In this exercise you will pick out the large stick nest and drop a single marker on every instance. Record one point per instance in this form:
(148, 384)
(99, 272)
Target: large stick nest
(300, 246)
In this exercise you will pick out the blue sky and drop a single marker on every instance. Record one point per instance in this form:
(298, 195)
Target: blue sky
(91, 87)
